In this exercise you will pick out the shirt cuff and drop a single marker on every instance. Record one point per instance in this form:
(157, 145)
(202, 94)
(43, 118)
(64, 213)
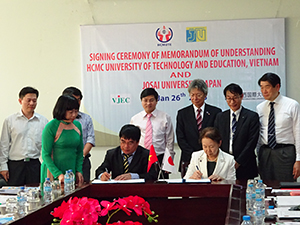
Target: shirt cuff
(4, 167)
(134, 176)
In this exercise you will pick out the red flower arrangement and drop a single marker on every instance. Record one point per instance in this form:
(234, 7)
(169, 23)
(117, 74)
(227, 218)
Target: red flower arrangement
(85, 211)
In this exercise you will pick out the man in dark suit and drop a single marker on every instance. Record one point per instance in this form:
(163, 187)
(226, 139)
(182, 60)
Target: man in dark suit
(239, 128)
(191, 120)
(127, 161)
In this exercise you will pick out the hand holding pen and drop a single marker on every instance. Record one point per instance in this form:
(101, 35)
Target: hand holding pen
(106, 175)
(197, 175)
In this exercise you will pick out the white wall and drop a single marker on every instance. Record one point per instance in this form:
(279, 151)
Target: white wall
(40, 40)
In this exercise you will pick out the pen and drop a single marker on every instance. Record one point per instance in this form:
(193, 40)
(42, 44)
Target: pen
(107, 172)
(198, 169)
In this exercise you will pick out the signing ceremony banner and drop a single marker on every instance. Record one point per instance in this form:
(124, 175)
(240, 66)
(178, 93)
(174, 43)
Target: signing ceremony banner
(119, 61)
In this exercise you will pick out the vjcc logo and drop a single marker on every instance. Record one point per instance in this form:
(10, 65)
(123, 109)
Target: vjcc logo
(120, 99)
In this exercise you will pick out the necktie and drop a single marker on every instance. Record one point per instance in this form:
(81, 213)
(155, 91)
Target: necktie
(199, 119)
(148, 134)
(234, 123)
(125, 162)
(271, 127)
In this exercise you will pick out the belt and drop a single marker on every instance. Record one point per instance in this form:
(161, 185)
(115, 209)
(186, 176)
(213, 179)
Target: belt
(278, 146)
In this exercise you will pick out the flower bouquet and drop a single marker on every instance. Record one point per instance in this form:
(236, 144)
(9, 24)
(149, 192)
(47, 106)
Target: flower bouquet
(85, 211)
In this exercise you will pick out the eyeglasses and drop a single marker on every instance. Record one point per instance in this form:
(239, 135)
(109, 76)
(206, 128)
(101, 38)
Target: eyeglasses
(232, 99)
(196, 95)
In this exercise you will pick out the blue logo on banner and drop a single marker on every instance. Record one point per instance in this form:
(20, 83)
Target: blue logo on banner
(196, 34)
(164, 35)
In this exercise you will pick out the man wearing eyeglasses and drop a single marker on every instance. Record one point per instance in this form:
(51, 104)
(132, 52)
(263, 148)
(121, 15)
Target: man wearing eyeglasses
(239, 128)
(191, 120)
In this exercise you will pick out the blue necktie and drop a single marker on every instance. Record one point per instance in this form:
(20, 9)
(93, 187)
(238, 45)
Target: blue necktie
(234, 123)
(271, 127)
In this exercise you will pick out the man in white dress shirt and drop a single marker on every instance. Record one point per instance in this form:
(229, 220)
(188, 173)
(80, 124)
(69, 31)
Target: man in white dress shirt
(20, 144)
(279, 149)
(162, 128)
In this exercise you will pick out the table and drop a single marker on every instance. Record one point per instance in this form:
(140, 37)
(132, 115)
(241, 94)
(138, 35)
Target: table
(216, 203)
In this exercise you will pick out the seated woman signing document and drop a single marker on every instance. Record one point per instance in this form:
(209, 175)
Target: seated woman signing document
(211, 162)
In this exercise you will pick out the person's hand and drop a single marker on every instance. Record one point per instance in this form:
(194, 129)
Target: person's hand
(215, 177)
(296, 170)
(5, 174)
(125, 176)
(197, 175)
(61, 178)
(105, 176)
(236, 165)
(79, 179)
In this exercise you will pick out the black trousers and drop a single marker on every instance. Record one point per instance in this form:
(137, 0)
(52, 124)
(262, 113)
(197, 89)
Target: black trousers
(24, 172)
(86, 169)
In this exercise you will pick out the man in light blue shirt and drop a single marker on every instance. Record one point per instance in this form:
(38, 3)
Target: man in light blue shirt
(88, 135)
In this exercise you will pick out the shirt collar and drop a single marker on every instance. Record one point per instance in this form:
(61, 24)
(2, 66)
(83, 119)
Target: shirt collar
(202, 108)
(35, 115)
(132, 154)
(276, 100)
(154, 113)
(237, 112)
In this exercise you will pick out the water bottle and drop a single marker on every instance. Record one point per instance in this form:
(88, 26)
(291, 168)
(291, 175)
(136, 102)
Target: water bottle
(250, 198)
(33, 199)
(47, 191)
(21, 200)
(259, 212)
(246, 220)
(67, 182)
(260, 190)
(56, 189)
(72, 177)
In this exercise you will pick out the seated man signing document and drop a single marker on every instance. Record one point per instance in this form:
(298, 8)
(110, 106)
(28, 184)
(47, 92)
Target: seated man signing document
(127, 161)
(211, 162)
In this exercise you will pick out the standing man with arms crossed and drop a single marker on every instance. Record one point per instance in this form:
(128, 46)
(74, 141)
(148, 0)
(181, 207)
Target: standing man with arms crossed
(20, 144)
(88, 134)
(191, 120)
(156, 126)
(279, 139)
(239, 129)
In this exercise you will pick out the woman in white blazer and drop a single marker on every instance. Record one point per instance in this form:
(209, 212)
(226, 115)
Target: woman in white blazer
(211, 162)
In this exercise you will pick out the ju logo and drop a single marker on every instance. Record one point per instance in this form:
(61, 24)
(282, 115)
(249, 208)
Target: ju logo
(196, 34)
(120, 99)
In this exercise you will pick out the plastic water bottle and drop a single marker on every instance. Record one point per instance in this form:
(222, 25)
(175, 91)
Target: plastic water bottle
(246, 220)
(21, 200)
(260, 190)
(250, 198)
(259, 212)
(72, 178)
(67, 182)
(47, 191)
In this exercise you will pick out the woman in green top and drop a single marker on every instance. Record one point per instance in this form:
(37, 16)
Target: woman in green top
(62, 147)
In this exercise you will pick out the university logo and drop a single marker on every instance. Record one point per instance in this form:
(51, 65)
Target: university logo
(164, 35)
(118, 99)
(196, 34)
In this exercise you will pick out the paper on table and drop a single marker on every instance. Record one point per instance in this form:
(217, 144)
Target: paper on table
(4, 197)
(132, 181)
(288, 200)
(285, 213)
(177, 181)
